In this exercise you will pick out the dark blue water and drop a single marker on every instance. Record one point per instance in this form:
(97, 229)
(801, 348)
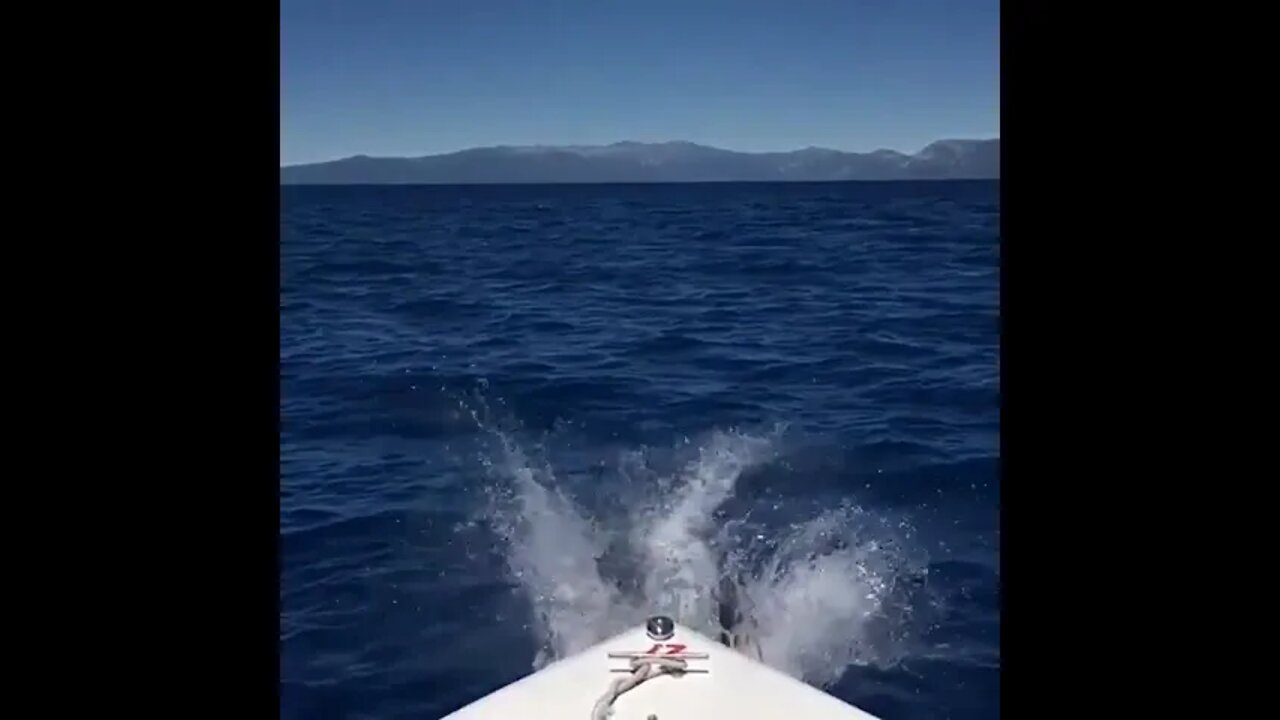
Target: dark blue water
(518, 419)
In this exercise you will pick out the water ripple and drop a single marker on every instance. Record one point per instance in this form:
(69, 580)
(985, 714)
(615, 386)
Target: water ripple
(608, 321)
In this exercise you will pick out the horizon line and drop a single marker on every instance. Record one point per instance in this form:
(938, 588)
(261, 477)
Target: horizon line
(540, 183)
(637, 142)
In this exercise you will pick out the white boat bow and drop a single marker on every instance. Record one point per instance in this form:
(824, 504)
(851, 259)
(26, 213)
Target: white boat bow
(663, 671)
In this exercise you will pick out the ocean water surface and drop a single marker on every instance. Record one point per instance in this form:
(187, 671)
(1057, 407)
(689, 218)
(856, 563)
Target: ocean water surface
(518, 419)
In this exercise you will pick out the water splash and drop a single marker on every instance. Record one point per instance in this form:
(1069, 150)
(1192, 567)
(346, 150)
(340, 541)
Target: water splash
(681, 567)
(552, 552)
(816, 595)
(830, 594)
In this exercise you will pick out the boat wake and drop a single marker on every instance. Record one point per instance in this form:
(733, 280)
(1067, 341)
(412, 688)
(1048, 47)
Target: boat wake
(810, 590)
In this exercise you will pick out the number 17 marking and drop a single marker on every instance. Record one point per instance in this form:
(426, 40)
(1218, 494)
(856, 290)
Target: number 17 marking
(672, 649)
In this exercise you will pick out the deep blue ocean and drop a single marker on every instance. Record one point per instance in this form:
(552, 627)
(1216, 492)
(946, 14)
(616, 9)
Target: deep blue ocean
(519, 419)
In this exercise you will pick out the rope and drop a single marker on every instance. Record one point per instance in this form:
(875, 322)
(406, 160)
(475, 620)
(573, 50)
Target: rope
(642, 668)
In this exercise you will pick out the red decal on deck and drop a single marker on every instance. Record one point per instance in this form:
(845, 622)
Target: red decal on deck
(672, 649)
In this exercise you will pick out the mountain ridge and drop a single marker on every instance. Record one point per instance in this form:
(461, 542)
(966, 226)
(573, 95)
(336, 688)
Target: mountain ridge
(635, 162)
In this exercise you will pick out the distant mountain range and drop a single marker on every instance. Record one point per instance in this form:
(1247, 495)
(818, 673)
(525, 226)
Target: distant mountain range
(632, 162)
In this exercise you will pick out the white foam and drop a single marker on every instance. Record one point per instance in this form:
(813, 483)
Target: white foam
(815, 591)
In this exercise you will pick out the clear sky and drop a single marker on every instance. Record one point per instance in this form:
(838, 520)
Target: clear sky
(418, 77)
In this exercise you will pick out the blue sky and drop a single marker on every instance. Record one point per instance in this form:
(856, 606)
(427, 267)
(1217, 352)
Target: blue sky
(417, 77)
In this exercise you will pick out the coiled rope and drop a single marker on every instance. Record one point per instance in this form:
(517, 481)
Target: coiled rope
(644, 667)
